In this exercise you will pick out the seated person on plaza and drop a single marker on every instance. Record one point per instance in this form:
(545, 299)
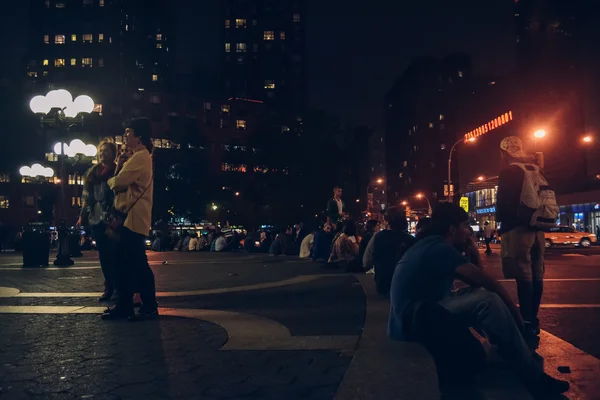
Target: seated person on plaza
(424, 309)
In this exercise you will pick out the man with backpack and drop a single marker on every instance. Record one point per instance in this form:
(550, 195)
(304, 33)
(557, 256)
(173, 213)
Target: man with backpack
(525, 206)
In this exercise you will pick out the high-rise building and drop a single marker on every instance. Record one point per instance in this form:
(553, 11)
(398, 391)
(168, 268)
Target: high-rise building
(118, 52)
(264, 51)
(420, 126)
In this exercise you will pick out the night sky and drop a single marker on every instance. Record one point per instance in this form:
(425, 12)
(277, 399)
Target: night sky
(355, 53)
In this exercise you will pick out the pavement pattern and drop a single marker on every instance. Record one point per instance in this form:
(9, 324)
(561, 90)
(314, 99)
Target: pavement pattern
(236, 326)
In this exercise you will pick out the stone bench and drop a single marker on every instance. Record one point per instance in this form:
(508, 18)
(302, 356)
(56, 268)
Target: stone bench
(384, 369)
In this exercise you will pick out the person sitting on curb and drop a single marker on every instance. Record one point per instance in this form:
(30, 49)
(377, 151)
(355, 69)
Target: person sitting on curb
(322, 246)
(424, 309)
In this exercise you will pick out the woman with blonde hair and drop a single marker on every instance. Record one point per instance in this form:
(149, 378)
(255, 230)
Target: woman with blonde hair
(98, 200)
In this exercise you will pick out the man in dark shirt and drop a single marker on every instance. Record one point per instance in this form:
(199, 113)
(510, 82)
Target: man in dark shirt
(335, 207)
(522, 246)
(388, 246)
(424, 308)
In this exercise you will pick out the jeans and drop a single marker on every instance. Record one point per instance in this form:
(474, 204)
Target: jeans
(134, 273)
(485, 310)
(106, 252)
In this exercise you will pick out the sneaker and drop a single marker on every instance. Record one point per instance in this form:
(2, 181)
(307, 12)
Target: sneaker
(144, 315)
(546, 386)
(116, 313)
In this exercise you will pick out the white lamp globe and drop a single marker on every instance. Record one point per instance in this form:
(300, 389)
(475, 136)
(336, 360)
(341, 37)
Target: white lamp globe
(39, 105)
(25, 171)
(37, 169)
(71, 111)
(84, 104)
(90, 150)
(69, 152)
(59, 98)
(77, 146)
(48, 172)
(58, 148)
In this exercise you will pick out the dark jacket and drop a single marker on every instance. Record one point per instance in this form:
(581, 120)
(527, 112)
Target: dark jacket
(363, 245)
(388, 248)
(322, 246)
(333, 211)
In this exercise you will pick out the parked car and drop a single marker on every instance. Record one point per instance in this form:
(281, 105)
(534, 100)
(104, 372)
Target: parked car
(565, 235)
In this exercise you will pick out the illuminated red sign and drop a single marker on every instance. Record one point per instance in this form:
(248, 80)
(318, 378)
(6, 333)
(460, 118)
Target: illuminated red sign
(490, 126)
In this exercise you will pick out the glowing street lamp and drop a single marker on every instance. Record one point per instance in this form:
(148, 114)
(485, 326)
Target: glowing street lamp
(404, 203)
(422, 196)
(450, 192)
(214, 207)
(540, 133)
(59, 111)
(379, 181)
(36, 170)
(590, 139)
(480, 178)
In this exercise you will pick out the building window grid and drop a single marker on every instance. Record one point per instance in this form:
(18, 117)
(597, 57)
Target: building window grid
(88, 38)
(227, 47)
(47, 39)
(240, 23)
(101, 3)
(227, 24)
(100, 37)
(73, 62)
(73, 37)
(59, 62)
(59, 39)
(240, 124)
(296, 17)
(154, 78)
(4, 202)
(269, 84)
(269, 35)
(101, 62)
(240, 47)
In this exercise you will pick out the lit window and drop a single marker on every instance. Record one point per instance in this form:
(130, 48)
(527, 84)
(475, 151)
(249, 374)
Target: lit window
(5, 178)
(240, 23)
(269, 84)
(155, 99)
(59, 62)
(207, 105)
(269, 35)
(60, 4)
(431, 124)
(46, 39)
(225, 108)
(282, 35)
(101, 62)
(101, 3)
(87, 38)
(45, 62)
(154, 78)
(86, 62)
(32, 74)
(100, 37)
(227, 24)
(441, 117)
(97, 108)
(76, 201)
(240, 124)
(159, 45)
(460, 74)
(296, 17)
(4, 201)
(59, 39)
(405, 163)
(73, 61)
(159, 37)
(73, 37)
(240, 47)
(45, 73)
(227, 47)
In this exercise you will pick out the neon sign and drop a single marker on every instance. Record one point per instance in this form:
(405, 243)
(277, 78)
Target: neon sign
(490, 126)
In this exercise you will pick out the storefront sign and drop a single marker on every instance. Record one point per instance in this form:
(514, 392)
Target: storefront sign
(488, 210)
(464, 203)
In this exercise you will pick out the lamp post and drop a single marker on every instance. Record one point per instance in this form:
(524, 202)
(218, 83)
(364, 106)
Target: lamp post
(422, 196)
(59, 111)
(450, 193)
(378, 181)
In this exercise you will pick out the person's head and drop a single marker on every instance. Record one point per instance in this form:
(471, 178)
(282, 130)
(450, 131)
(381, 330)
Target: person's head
(328, 228)
(337, 192)
(451, 222)
(511, 150)
(107, 152)
(137, 134)
(288, 230)
(371, 225)
(350, 228)
(396, 219)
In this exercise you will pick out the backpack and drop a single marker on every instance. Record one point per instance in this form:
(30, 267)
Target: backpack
(539, 196)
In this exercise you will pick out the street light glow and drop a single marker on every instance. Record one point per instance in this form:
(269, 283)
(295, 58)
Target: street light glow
(63, 100)
(480, 178)
(540, 133)
(404, 203)
(379, 180)
(237, 193)
(419, 195)
(587, 139)
(358, 200)
(471, 139)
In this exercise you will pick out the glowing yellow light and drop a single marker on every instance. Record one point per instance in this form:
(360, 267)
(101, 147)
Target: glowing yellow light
(540, 133)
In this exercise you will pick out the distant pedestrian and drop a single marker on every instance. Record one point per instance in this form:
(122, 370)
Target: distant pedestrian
(307, 245)
(336, 210)
(488, 235)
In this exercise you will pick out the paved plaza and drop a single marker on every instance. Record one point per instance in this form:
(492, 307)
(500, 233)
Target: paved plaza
(255, 327)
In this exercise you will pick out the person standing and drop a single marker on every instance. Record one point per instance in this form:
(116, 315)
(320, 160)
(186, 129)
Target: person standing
(488, 234)
(133, 187)
(335, 207)
(98, 200)
(522, 245)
